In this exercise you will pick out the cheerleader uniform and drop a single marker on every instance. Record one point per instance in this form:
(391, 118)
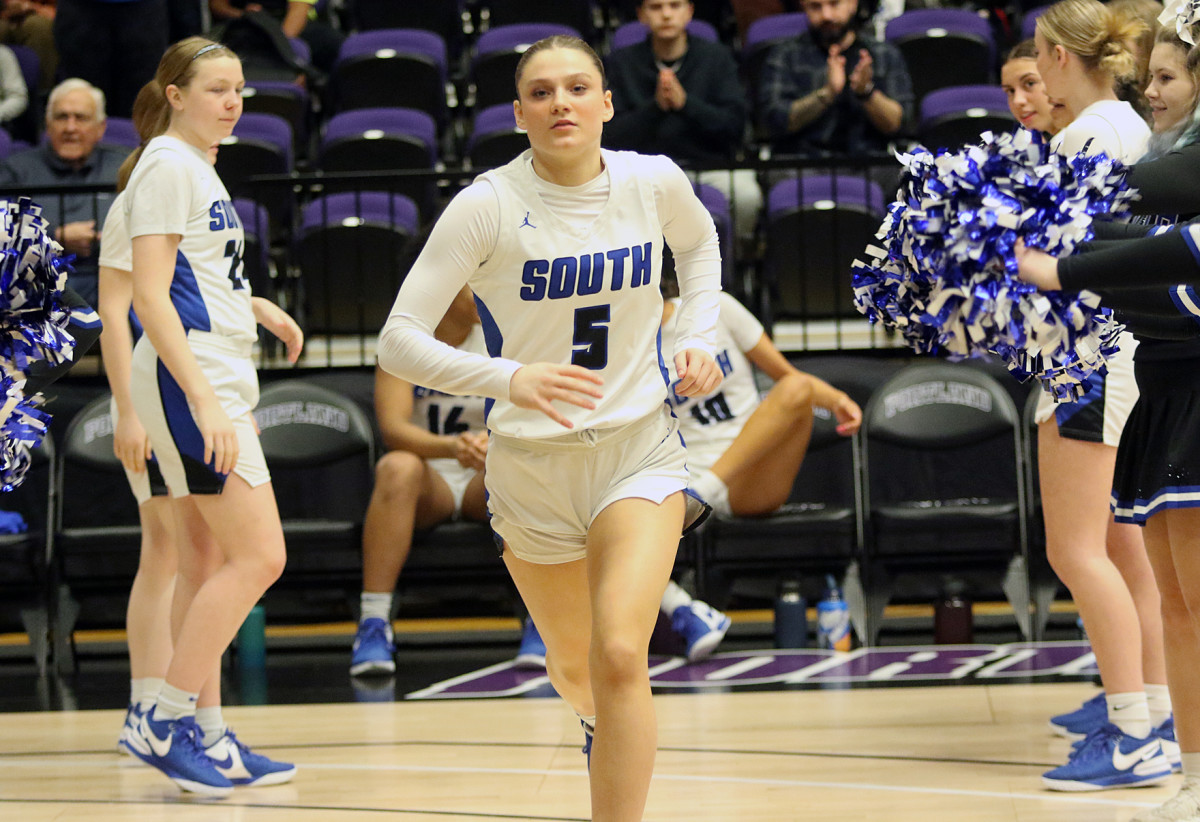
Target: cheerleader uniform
(567, 275)
(1111, 126)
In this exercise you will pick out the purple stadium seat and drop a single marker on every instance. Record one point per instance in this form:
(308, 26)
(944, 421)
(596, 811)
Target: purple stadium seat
(717, 206)
(944, 47)
(495, 138)
(577, 14)
(383, 139)
(351, 252)
(257, 229)
(951, 117)
(1029, 21)
(260, 144)
(634, 32)
(816, 226)
(496, 55)
(404, 68)
(120, 131)
(764, 34)
(288, 100)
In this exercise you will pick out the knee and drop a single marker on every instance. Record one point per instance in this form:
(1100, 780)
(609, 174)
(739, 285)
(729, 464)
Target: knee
(795, 395)
(568, 674)
(398, 473)
(267, 564)
(618, 661)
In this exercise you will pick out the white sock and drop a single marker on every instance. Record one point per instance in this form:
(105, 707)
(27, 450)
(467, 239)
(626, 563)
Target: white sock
(174, 703)
(674, 597)
(378, 606)
(211, 723)
(590, 721)
(1130, 713)
(1158, 697)
(135, 691)
(151, 686)
(1191, 768)
(712, 490)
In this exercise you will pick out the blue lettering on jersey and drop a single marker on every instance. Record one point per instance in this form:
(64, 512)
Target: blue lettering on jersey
(223, 215)
(584, 275)
(724, 362)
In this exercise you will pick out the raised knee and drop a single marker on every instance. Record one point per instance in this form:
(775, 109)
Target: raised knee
(398, 472)
(795, 392)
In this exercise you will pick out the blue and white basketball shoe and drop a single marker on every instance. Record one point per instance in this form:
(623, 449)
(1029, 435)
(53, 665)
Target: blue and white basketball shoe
(1109, 758)
(701, 626)
(173, 746)
(133, 715)
(242, 766)
(1166, 734)
(374, 651)
(1083, 720)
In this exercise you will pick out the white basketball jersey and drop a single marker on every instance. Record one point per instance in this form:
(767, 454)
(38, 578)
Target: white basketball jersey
(711, 423)
(116, 249)
(451, 414)
(174, 190)
(600, 279)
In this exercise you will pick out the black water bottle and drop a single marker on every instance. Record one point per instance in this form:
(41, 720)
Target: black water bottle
(791, 616)
(952, 624)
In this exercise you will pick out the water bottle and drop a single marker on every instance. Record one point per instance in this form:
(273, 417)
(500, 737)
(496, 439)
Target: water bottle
(952, 616)
(833, 619)
(791, 616)
(251, 640)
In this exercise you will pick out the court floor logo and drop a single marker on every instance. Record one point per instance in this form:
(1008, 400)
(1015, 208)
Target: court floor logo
(770, 669)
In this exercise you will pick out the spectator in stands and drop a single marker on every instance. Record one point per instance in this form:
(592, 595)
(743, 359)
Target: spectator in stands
(432, 472)
(113, 44)
(1022, 84)
(72, 155)
(31, 23)
(833, 89)
(14, 97)
(680, 96)
(297, 18)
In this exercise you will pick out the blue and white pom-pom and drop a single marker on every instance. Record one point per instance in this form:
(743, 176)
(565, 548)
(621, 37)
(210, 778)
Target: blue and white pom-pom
(33, 328)
(944, 273)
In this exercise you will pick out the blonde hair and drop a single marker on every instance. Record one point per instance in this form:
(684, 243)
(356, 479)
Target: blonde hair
(1102, 39)
(151, 111)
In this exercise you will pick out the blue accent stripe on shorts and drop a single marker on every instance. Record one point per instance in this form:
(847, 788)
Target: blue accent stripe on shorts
(189, 442)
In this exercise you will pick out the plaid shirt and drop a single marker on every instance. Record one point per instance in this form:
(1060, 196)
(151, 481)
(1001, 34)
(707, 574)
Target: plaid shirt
(797, 67)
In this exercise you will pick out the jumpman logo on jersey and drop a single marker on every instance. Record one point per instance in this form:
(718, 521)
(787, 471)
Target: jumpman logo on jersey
(526, 223)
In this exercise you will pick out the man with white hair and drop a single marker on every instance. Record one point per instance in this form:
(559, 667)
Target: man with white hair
(71, 156)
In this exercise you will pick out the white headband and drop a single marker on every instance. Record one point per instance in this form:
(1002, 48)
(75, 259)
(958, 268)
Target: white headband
(1184, 13)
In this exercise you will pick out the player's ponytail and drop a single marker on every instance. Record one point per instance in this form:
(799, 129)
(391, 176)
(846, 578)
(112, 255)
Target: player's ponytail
(151, 111)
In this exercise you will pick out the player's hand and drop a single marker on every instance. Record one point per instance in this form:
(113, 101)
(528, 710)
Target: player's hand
(280, 323)
(217, 431)
(538, 385)
(471, 449)
(1036, 267)
(848, 415)
(835, 70)
(862, 78)
(130, 443)
(698, 373)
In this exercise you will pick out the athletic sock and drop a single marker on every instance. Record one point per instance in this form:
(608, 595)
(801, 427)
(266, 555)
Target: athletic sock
(211, 723)
(712, 490)
(378, 606)
(1158, 698)
(1130, 713)
(174, 703)
(674, 597)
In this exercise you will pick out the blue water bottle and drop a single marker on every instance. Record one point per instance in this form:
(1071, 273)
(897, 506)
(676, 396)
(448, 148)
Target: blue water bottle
(833, 619)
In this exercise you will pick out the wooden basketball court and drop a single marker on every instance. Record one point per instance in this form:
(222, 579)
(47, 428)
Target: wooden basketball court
(902, 754)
